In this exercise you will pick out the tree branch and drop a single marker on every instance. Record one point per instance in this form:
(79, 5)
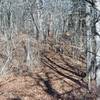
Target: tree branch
(91, 2)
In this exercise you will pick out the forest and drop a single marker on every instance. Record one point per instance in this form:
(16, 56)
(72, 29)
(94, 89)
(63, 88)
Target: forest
(49, 49)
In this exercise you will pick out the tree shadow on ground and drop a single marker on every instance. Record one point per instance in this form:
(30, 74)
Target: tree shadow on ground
(47, 87)
(45, 82)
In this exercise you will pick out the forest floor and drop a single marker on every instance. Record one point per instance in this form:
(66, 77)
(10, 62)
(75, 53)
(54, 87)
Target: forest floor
(59, 78)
